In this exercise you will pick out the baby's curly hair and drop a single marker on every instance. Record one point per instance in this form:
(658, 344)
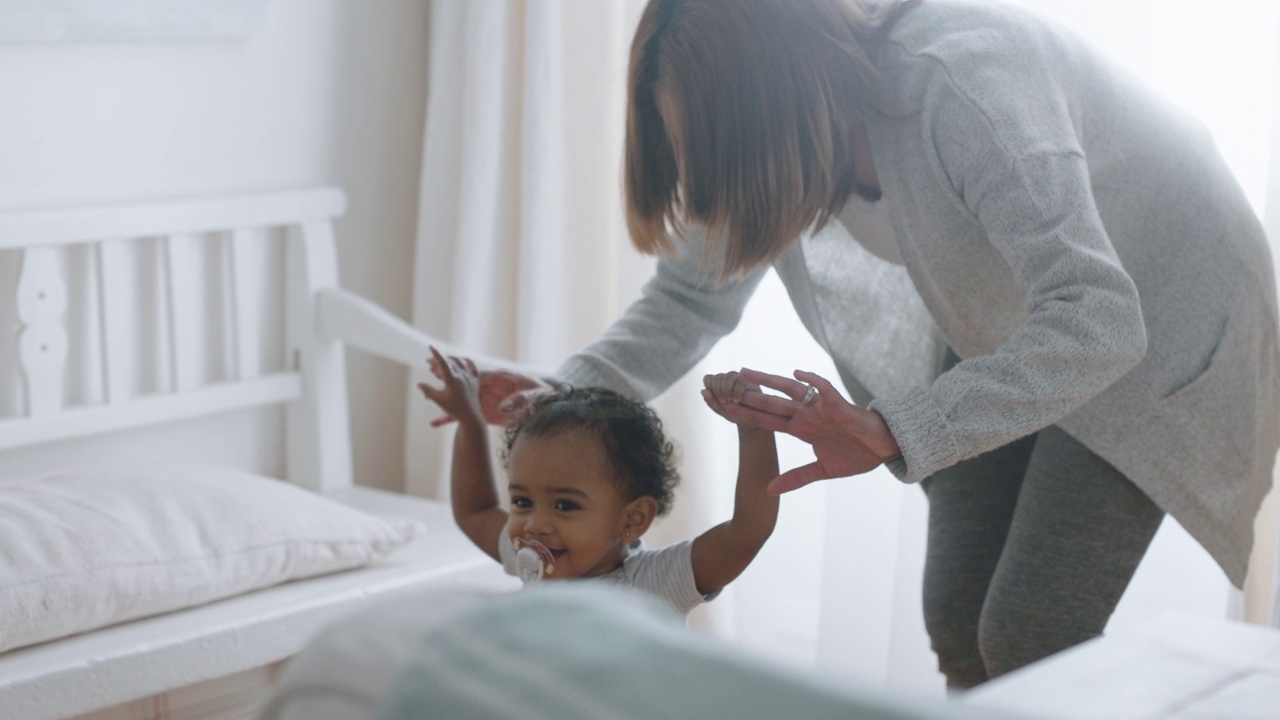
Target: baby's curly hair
(630, 432)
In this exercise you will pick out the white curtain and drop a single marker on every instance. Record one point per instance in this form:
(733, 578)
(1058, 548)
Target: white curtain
(522, 253)
(520, 229)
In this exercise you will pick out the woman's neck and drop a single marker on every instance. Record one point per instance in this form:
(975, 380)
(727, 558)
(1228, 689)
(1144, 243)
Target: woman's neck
(866, 183)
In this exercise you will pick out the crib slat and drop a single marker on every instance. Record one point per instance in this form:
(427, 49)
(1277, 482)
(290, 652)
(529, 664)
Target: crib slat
(182, 270)
(110, 267)
(244, 332)
(42, 342)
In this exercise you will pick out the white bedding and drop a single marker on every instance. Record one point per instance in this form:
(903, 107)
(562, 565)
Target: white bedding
(96, 545)
(152, 655)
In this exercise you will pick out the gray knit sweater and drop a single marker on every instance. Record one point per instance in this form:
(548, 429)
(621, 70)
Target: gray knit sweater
(1076, 239)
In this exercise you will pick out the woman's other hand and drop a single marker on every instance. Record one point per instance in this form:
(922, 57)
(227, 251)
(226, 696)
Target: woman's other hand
(500, 393)
(846, 439)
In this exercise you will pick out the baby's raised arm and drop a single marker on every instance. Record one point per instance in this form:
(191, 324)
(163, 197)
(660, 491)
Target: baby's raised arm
(723, 552)
(474, 495)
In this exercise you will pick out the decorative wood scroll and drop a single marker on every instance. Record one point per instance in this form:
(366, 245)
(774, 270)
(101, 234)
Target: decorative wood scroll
(42, 341)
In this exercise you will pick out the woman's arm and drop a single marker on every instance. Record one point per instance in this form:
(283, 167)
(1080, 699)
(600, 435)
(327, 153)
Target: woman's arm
(1007, 143)
(679, 317)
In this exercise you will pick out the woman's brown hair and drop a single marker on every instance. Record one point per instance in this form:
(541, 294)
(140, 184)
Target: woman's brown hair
(759, 93)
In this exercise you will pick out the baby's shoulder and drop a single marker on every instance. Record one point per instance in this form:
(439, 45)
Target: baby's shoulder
(643, 558)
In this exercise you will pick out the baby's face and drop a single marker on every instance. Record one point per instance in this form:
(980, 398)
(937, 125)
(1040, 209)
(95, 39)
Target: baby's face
(563, 496)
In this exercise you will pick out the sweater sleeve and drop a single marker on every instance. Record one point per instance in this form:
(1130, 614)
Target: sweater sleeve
(1006, 142)
(680, 315)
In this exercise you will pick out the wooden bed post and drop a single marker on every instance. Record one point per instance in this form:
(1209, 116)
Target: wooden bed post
(319, 431)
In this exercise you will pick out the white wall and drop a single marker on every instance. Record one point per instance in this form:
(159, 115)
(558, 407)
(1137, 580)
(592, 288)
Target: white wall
(324, 92)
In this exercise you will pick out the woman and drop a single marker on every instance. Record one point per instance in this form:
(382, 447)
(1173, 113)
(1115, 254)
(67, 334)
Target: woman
(1056, 311)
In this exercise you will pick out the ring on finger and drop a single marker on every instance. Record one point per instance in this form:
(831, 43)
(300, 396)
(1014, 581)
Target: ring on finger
(809, 395)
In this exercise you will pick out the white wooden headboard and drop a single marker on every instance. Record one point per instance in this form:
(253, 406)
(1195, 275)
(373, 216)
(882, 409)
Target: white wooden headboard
(180, 238)
(74, 363)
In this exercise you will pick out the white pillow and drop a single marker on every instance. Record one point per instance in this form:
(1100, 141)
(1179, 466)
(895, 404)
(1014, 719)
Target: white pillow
(88, 547)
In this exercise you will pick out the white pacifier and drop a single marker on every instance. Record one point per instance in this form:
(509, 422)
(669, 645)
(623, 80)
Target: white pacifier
(533, 560)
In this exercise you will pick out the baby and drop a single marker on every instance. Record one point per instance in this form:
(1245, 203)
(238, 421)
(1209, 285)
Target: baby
(588, 472)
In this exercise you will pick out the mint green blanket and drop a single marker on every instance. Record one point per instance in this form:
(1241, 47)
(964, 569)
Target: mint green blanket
(583, 651)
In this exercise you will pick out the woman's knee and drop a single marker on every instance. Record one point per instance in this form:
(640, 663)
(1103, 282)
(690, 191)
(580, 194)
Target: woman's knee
(1014, 634)
(951, 619)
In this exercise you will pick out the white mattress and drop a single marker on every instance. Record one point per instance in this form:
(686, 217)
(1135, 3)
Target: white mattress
(134, 660)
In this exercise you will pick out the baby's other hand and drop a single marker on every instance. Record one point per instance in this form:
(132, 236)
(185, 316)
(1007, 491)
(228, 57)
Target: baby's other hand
(460, 396)
(721, 389)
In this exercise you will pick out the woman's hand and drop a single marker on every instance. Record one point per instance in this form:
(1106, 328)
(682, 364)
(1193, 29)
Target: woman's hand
(500, 393)
(846, 439)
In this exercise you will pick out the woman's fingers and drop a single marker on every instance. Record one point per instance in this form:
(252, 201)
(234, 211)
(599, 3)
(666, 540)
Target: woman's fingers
(456, 365)
(744, 413)
(519, 402)
(771, 404)
(796, 478)
(824, 386)
(793, 389)
(512, 401)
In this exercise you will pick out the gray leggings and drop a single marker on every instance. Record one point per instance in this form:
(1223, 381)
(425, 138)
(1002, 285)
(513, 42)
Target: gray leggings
(1030, 548)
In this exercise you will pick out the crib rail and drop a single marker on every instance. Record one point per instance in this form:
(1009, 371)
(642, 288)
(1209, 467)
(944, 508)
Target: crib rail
(35, 228)
(142, 412)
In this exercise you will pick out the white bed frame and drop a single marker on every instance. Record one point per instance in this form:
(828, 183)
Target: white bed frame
(124, 663)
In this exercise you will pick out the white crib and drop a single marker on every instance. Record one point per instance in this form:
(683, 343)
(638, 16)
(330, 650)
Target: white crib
(223, 243)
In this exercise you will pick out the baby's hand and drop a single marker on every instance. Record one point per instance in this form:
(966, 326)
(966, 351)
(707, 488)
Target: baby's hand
(460, 396)
(724, 388)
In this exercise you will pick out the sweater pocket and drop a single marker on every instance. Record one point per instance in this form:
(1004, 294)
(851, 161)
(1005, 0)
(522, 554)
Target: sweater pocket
(1213, 357)
(1221, 405)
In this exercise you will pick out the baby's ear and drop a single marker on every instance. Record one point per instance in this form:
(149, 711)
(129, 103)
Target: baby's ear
(638, 516)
